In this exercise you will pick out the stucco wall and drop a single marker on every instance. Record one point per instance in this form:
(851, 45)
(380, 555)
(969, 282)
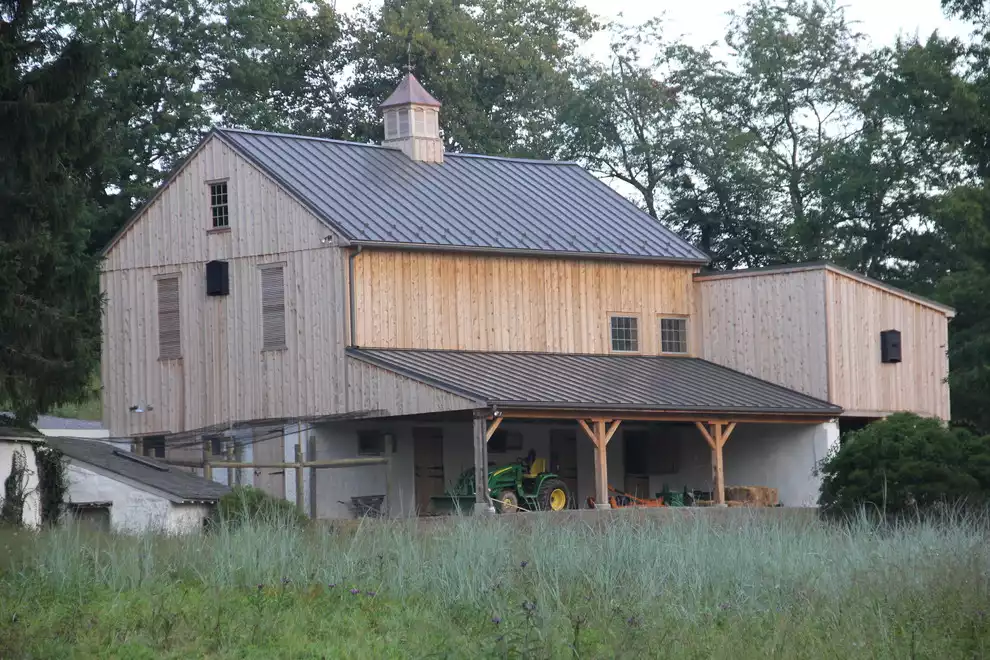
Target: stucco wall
(32, 500)
(133, 510)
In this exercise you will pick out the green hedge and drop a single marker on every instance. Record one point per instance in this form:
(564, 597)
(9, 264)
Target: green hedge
(247, 504)
(903, 464)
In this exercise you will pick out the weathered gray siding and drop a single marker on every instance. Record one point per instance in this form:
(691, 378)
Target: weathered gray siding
(373, 388)
(223, 375)
(771, 326)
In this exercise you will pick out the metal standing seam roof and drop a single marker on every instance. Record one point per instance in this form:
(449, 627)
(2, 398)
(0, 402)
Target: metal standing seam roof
(142, 469)
(410, 91)
(612, 382)
(373, 194)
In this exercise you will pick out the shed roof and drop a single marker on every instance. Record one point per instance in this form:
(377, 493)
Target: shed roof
(141, 469)
(597, 382)
(376, 195)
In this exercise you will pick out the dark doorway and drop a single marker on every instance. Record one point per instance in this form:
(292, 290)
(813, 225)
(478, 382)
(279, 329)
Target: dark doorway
(428, 465)
(563, 458)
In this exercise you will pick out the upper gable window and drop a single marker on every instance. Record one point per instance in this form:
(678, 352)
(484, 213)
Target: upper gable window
(673, 335)
(624, 333)
(219, 208)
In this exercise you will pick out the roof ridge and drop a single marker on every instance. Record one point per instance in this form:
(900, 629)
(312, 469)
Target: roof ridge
(512, 159)
(296, 136)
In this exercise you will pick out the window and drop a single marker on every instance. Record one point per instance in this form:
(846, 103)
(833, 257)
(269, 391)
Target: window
(218, 205)
(431, 123)
(169, 335)
(273, 308)
(390, 124)
(503, 441)
(216, 445)
(673, 335)
(404, 122)
(371, 443)
(625, 333)
(649, 452)
(153, 446)
(420, 122)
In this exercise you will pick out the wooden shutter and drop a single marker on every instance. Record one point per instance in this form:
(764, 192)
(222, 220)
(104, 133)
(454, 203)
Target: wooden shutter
(169, 329)
(273, 307)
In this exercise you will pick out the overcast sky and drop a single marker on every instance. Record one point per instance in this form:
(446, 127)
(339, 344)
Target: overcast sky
(704, 21)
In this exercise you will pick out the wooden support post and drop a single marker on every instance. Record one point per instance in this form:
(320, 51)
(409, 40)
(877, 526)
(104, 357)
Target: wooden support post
(482, 500)
(230, 471)
(716, 434)
(719, 471)
(492, 428)
(601, 435)
(300, 490)
(310, 455)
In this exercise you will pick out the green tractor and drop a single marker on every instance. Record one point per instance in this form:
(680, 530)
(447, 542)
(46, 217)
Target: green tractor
(521, 486)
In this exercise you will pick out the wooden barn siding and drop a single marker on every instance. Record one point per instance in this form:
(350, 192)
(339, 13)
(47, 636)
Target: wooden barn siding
(857, 313)
(174, 229)
(223, 375)
(407, 299)
(768, 326)
(374, 388)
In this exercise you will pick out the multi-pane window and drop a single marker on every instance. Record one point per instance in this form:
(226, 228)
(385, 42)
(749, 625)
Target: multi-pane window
(273, 307)
(673, 335)
(624, 333)
(218, 205)
(404, 122)
(169, 330)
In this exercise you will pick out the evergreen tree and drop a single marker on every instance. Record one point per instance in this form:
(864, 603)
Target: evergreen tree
(49, 286)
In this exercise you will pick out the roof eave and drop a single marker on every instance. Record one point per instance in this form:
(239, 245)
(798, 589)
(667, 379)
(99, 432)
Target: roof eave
(431, 247)
(817, 413)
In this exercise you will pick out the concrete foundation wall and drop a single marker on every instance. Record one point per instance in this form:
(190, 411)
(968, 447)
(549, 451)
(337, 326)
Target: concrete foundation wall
(781, 456)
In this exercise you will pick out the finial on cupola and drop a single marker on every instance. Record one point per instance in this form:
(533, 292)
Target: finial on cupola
(412, 120)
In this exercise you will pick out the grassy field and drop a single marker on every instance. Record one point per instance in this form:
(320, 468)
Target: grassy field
(738, 585)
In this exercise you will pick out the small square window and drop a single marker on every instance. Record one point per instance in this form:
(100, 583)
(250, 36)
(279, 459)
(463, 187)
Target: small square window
(218, 205)
(624, 333)
(503, 441)
(371, 443)
(673, 335)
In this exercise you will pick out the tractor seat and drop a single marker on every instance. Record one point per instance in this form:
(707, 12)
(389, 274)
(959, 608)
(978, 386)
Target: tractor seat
(538, 467)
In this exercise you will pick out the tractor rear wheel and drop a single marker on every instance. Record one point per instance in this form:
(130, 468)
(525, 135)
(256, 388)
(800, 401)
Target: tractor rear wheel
(507, 502)
(553, 496)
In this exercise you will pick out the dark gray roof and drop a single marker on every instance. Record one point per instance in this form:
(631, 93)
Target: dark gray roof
(603, 382)
(377, 195)
(410, 91)
(154, 474)
(63, 423)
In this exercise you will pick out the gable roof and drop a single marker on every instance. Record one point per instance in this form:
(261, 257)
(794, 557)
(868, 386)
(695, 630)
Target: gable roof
(377, 196)
(182, 485)
(408, 92)
(597, 382)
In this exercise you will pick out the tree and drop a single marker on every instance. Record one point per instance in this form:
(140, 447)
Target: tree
(502, 69)
(49, 293)
(904, 464)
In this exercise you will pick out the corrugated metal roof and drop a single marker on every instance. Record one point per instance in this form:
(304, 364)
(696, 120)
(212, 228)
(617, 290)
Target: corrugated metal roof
(613, 382)
(374, 194)
(144, 470)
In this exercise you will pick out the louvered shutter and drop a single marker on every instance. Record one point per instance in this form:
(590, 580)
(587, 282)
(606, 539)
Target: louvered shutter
(273, 308)
(169, 329)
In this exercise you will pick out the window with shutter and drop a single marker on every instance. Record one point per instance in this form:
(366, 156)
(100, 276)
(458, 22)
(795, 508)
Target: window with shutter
(169, 329)
(273, 308)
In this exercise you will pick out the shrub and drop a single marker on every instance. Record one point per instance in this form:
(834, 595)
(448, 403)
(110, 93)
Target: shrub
(247, 504)
(905, 463)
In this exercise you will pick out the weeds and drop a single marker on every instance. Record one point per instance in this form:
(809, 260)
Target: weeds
(692, 586)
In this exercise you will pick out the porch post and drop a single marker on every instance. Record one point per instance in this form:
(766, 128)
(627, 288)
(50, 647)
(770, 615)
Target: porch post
(601, 436)
(716, 439)
(482, 501)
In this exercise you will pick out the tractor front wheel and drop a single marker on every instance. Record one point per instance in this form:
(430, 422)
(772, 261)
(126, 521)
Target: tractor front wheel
(553, 496)
(507, 502)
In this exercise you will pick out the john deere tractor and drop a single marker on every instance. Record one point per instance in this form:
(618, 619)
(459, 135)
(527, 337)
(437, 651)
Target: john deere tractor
(521, 486)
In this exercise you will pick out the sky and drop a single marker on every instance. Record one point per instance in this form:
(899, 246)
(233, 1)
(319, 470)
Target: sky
(700, 22)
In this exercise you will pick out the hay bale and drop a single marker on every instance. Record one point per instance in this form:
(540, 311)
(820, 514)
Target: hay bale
(753, 495)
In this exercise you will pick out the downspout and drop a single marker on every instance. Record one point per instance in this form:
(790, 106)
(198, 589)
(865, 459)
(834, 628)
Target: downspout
(350, 285)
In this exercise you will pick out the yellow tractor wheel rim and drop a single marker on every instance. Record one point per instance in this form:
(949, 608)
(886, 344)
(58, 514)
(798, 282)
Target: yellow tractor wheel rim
(558, 499)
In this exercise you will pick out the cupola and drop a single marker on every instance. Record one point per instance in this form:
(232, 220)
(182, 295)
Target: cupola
(412, 121)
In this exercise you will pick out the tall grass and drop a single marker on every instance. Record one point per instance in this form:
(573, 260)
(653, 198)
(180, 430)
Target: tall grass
(700, 583)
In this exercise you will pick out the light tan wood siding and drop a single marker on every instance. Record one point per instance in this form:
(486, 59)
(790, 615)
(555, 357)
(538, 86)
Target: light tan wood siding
(223, 375)
(409, 299)
(861, 383)
(373, 388)
(771, 326)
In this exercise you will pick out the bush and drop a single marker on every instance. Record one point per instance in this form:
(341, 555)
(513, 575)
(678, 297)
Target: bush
(906, 463)
(246, 504)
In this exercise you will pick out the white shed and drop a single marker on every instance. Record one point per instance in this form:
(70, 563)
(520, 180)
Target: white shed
(17, 449)
(125, 492)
